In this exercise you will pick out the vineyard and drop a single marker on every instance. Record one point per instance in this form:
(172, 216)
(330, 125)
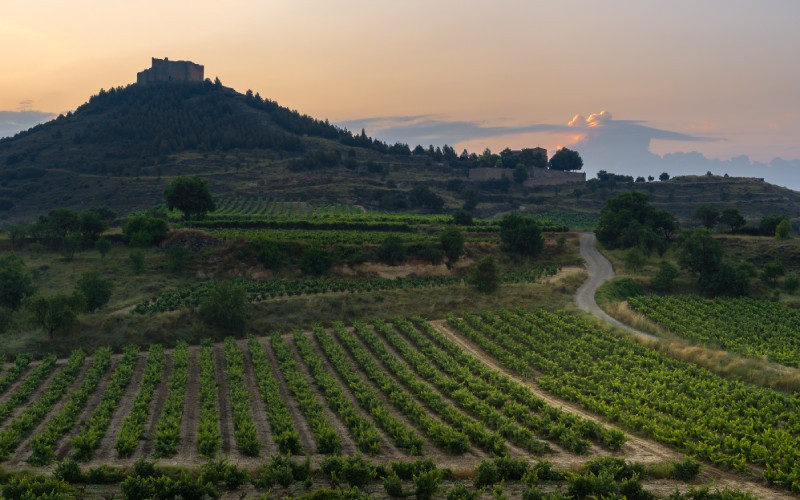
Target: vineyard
(258, 291)
(729, 423)
(386, 390)
(743, 325)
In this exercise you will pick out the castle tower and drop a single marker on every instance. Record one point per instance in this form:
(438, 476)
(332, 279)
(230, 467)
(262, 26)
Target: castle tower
(164, 70)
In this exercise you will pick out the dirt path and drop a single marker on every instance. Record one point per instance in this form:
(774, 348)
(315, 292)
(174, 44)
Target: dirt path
(307, 442)
(107, 451)
(388, 449)
(636, 448)
(187, 448)
(23, 449)
(600, 270)
(146, 444)
(269, 447)
(223, 401)
(348, 441)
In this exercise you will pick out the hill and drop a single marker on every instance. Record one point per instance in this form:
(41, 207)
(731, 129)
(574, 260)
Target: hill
(121, 147)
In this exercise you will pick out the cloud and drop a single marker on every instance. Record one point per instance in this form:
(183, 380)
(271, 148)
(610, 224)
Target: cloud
(12, 122)
(605, 143)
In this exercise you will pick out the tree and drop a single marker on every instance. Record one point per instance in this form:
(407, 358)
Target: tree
(91, 226)
(521, 235)
(95, 289)
(103, 246)
(225, 306)
(55, 313)
(70, 245)
(771, 271)
(663, 177)
(315, 260)
(784, 230)
(471, 199)
(452, 240)
(462, 218)
(664, 279)
(392, 251)
(635, 259)
(190, 195)
(733, 219)
(485, 276)
(15, 282)
(707, 214)
(565, 160)
(769, 224)
(629, 220)
(699, 252)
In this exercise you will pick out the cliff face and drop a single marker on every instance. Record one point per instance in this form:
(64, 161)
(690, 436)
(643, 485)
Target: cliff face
(164, 70)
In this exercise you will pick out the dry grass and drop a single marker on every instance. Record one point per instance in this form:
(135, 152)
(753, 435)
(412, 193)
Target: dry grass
(623, 312)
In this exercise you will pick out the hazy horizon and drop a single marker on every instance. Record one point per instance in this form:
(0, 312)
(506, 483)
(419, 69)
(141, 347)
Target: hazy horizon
(674, 78)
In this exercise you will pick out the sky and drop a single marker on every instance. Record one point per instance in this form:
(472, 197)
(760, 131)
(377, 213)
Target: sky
(662, 79)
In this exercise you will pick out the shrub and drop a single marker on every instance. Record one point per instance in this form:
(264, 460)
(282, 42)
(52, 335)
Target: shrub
(279, 470)
(316, 260)
(460, 492)
(69, 471)
(685, 470)
(104, 474)
(177, 258)
(96, 289)
(392, 251)
(225, 306)
(393, 486)
(136, 259)
(664, 279)
(521, 235)
(407, 470)
(486, 474)
(484, 276)
(15, 282)
(142, 230)
(103, 246)
(427, 483)
(452, 240)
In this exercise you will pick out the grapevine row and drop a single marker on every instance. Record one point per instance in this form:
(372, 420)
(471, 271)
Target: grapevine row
(402, 435)
(477, 432)
(132, 428)
(244, 430)
(20, 427)
(328, 441)
(442, 434)
(89, 439)
(44, 443)
(168, 429)
(209, 436)
(11, 375)
(24, 391)
(280, 420)
(366, 436)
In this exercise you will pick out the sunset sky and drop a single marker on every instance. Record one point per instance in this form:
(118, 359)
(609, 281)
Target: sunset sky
(721, 75)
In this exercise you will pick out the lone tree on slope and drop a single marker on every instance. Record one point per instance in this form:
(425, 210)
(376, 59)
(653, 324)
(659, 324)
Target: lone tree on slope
(190, 195)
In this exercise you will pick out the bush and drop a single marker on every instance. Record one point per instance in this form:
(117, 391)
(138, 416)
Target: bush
(103, 246)
(316, 261)
(225, 306)
(15, 282)
(96, 289)
(221, 472)
(460, 492)
(783, 231)
(393, 486)
(30, 487)
(427, 483)
(407, 470)
(486, 474)
(69, 471)
(429, 252)
(485, 276)
(685, 470)
(790, 284)
(392, 251)
(279, 470)
(177, 258)
(270, 253)
(136, 259)
(664, 279)
(104, 474)
(145, 231)
(462, 218)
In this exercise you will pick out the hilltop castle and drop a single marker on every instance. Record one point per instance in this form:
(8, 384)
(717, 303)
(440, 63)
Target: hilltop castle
(164, 70)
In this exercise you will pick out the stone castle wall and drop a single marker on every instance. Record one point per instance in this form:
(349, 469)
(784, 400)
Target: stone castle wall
(164, 70)
(537, 176)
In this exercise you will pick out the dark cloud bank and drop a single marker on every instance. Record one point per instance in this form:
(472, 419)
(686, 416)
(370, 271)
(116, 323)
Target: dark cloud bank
(619, 146)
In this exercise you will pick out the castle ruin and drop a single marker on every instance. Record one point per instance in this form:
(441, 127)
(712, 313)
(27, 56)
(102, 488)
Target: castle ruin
(164, 70)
